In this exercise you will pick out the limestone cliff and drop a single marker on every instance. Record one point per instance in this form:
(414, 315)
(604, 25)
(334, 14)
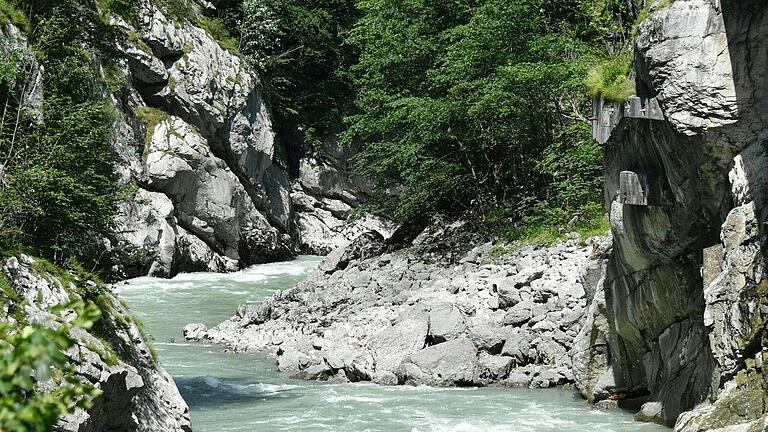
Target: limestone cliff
(212, 184)
(114, 356)
(683, 325)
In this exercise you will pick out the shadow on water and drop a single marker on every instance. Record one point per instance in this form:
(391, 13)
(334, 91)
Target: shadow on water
(208, 391)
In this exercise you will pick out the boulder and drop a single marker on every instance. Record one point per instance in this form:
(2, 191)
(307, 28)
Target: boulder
(254, 314)
(449, 363)
(493, 367)
(445, 323)
(194, 331)
(392, 344)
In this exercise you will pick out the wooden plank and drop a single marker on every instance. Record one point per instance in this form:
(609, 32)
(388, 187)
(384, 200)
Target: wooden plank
(633, 188)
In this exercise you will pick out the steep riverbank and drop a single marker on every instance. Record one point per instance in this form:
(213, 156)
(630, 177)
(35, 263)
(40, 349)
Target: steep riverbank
(115, 357)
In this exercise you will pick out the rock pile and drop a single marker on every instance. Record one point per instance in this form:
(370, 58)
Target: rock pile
(482, 316)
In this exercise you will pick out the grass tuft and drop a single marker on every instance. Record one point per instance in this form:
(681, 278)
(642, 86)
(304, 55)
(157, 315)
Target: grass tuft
(610, 78)
(151, 118)
(10, 15)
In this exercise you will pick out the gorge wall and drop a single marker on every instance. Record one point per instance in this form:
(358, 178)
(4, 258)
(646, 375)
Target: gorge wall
(685, 299)
(212, 190)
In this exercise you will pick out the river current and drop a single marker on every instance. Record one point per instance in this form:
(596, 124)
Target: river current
(244, 392)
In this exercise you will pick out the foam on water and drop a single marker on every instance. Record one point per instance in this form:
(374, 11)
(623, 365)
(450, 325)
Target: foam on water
(241, 392)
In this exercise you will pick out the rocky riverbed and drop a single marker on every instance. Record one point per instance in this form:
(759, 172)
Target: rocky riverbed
(432, 313)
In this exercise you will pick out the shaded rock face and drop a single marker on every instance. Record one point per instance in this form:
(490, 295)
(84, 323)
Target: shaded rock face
(407, 317)
(670, 339)
(138, 394)
(324, 195)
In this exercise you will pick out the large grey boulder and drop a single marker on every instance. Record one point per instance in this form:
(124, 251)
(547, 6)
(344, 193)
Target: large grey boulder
(392, 344)
(445, 322)
(453, 363)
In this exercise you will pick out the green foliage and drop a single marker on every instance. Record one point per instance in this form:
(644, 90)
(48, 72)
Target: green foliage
(30, 356)
(457, 118)
(610, 78)
(300, 47)
(547, 225)
(218, 30)
(609, 21)
(181, 10)
(12, 299)
(127, 9)
(10, 14)
(59, 191)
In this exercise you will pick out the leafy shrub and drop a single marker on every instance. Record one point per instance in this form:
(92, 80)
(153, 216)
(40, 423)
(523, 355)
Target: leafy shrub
(127, 9)
(181, 10)
(456, 119)
(32, 355)
(546, 225)
(218, 30)
(59, 190)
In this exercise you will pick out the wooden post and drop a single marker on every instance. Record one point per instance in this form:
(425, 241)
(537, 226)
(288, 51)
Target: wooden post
(633, 188)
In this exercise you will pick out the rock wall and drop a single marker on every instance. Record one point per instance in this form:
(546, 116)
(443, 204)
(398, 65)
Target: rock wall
(212, 184)
(197, 142)
(209, 187)
(138, 394)
(671, 340)
(324, 197)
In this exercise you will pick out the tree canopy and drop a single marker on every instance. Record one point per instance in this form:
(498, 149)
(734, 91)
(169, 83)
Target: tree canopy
(461, 107)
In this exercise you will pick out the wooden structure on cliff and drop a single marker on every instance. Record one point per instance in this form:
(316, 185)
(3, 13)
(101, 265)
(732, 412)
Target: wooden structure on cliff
(635, 188)
(607, 114)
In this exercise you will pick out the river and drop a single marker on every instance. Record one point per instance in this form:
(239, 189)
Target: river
(244, 392)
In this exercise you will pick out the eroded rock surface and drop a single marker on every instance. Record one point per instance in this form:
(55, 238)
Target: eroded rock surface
(693, 352)
(214, 190)
(138, 394)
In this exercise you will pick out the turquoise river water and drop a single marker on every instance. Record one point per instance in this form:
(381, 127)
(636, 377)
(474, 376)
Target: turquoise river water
(243, 392)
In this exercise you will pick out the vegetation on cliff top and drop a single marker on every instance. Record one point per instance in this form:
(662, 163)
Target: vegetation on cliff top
(473, 107)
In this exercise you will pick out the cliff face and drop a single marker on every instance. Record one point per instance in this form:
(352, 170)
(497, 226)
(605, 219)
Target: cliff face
(685, 287)
(138, 394)
(197, 141)
(213, 190)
